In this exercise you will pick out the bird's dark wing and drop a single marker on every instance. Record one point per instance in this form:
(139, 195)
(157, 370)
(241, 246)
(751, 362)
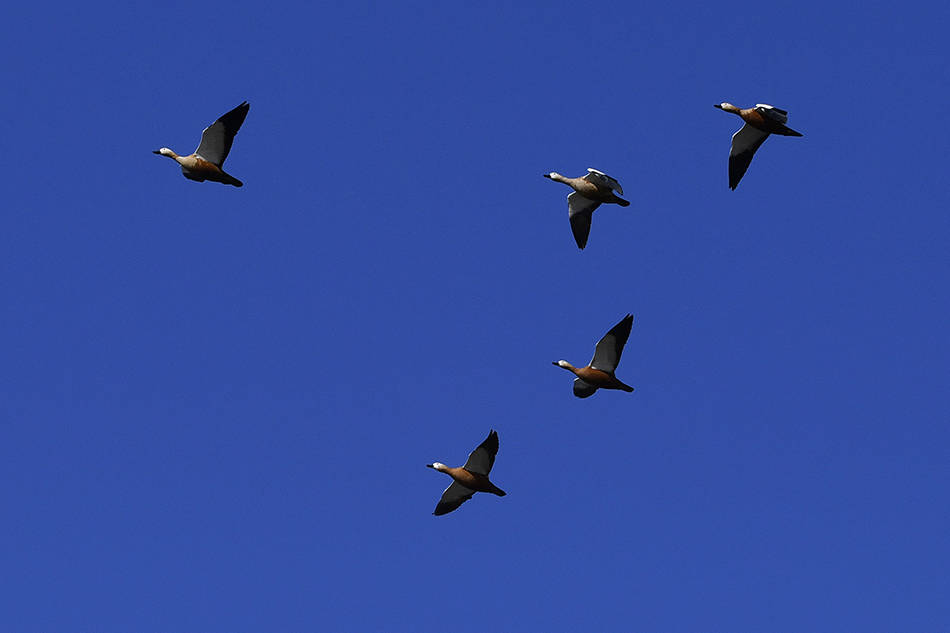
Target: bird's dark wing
(482, 458)
(216, 139)
(583, 389)
(580, 210)
(608, 350)
(454, 496)
(771, 112)
(603, 180)
(745, 142)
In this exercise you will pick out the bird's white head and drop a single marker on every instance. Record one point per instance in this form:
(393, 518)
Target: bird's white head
(164, 151)
(438, 466)
(563, 364)
(552, 175)
(728, 107)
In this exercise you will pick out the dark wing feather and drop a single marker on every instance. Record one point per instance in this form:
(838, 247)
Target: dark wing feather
(771, 112)
(608, 350)
(583, 389)
(580, 210)
(745, 142)
(482, 458)
(216, 139)
(454, 496)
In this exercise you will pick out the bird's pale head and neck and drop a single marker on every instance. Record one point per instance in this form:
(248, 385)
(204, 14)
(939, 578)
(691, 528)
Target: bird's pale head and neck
(728, 107)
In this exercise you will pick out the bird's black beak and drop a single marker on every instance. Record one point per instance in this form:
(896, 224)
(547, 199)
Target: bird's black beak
(554, 362)
(155, 151)
(546, 175)
(716, 105)
(429, 466)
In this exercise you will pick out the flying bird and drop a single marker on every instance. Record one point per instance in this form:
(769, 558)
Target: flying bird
(760, 121)
(216, 139)
(599, 374)
(589, 192)
(470, 478)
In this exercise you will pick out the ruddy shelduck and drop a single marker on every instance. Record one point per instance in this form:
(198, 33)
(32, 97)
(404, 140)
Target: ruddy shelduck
(590, 192)
(599, 374)
(760, 121)
(216, 139)
(470, 478)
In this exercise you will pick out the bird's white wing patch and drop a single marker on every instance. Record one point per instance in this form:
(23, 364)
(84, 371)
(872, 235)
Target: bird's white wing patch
(603, 179)
(771, 112)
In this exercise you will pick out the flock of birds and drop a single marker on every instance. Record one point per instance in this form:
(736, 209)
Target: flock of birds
(590, 191)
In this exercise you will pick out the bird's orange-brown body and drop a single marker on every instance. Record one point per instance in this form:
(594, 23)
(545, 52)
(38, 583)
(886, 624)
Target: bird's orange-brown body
(473, 481)
(600, 379)
(196, 168)
(757, 118)
(590, 190)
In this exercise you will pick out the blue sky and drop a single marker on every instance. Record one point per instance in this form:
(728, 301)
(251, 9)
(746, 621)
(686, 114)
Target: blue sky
(219, 403)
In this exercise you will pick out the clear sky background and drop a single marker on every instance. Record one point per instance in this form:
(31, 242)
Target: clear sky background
(217, 403)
